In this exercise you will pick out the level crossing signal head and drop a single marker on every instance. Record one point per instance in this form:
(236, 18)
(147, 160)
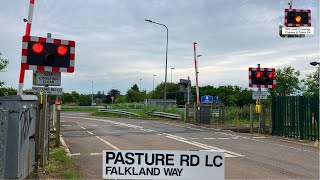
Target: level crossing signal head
(297, 18)
(262, 77)
(46, 54)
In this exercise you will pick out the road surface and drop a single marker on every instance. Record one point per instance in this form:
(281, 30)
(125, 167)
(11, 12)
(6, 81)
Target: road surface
(247, 156)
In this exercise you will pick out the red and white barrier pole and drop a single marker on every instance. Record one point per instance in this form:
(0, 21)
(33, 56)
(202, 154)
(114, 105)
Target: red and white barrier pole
(196, 70)
(28, 30)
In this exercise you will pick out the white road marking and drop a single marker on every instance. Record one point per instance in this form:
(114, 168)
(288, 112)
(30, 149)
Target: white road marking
(193, 128)
(292, 147)
(207, 147)
(109, 144)
(66, 125)
(209, 138)
(226, 134)
(65, 145)
(262, 137)
(81, 127)
(224, 138)
(90, 132)
(95, 154)
(179, 137)
(75, 154)
(85, 129)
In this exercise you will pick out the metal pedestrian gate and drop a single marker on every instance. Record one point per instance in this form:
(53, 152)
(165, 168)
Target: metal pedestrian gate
(296, 117)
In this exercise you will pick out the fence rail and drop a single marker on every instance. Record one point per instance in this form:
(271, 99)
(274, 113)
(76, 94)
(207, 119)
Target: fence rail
(117, 112)
(167, 115)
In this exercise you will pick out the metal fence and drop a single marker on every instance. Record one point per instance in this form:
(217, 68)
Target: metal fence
(296, 117)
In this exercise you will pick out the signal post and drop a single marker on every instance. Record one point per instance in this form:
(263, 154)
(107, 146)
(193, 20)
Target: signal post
(261, 78)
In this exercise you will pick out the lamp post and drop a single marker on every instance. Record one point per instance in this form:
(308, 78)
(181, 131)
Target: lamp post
(165, 79)
(153, 80)
(171, 73)
(91, 92)
(197, 77)
(315, 64)
(140, 84)
(198, 63)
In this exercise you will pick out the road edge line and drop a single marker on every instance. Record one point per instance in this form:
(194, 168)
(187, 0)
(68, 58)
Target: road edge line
(65, 146)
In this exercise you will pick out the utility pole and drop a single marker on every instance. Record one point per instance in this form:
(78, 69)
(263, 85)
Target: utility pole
(196, 71)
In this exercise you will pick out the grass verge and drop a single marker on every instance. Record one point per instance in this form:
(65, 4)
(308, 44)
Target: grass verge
(60, 165)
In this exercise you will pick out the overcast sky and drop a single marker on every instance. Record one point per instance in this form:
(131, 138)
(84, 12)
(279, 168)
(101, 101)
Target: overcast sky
(116, 48)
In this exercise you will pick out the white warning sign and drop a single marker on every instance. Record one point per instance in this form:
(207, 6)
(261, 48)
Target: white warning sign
(200, 165)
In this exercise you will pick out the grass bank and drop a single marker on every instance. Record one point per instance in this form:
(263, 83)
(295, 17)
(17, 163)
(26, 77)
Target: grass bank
(60, 166)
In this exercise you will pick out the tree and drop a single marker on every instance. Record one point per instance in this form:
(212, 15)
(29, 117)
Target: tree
(288, 82)
(135, 88)
(10, 91)
(3, 64)
(312, 83)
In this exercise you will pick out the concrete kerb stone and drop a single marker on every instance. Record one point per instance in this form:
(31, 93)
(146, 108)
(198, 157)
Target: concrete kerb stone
(65, 146)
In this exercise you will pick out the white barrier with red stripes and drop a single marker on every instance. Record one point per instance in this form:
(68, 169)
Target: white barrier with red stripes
(262, 70)
(28, 30)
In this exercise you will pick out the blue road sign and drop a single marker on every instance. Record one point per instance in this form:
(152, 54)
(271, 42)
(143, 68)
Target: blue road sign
(217, 99)
(207, 99)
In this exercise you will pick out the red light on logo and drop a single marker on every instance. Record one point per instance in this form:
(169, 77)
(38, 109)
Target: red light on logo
(37, 48)
(259, 74)
(62, 50)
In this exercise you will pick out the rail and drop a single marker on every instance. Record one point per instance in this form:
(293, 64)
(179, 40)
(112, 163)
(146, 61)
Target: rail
(117, 112)
(167, 115)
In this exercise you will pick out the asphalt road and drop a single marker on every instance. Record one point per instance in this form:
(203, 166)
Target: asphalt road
(247, 156)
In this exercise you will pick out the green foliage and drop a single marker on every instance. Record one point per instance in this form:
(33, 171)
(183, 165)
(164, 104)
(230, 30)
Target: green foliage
(237, 115)
(75, 98)
(60, 155)
(135, 95)
(3, 64)
(312, 83)
(173, 92)
(10, 91)
(60, 165)
(288, 82)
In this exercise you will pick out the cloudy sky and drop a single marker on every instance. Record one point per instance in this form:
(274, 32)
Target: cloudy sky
(116, 47)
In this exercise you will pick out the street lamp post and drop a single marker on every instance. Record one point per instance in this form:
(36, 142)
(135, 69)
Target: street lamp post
(140, 84)
(315, 64)
(197, 79)
(165, 79)
(171, 73)
(91, 92)
(153, 80)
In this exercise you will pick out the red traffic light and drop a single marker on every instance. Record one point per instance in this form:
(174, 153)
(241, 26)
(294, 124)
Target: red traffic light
(37, 48)
(259, 74)
(271, 75)
(62, 50)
